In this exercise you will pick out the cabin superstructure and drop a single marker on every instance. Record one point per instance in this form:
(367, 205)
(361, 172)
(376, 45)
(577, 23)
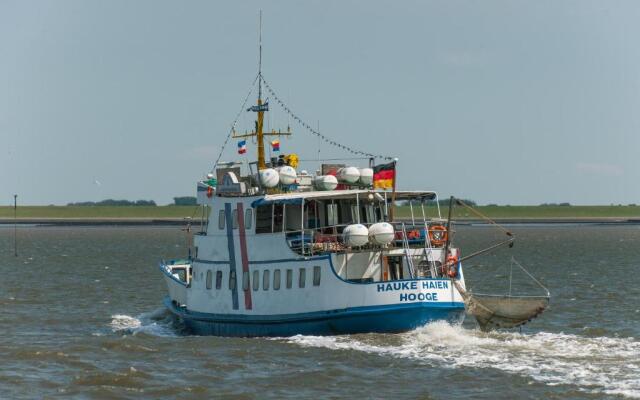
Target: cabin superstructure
(280, 251)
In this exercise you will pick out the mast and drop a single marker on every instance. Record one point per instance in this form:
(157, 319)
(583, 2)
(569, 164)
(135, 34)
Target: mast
(261, 108)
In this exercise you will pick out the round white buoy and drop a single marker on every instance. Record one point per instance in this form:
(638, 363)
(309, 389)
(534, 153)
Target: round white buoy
(325, 182)
(381, 233)
(287, 174)
(366, 176)
(348, 174)
(355, 235)
(269, 177)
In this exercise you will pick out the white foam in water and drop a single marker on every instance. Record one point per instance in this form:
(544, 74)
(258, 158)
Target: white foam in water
(598, 365)
(158, 323)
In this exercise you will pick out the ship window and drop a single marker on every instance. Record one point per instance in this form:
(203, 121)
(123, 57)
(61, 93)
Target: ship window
(265, 280)
(289, 278)
(263, 219)
(248, 218)
(245, 280)
(303, 277)
(196, 252)
(209, 279)
(221, 219)
(218, 279)
(256, 280)
(316, 276)
(278, 217)
(235, 219)
(276, 279)
(332, 214)
(232, 280)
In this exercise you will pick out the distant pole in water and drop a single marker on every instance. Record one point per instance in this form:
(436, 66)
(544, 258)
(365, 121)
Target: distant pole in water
(15, 225)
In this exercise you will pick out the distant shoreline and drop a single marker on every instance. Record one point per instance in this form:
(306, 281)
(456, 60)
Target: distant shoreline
(196, 222)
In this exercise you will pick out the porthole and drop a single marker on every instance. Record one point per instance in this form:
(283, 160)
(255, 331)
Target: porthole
(303, 277)
(316, 276)
(276, 279)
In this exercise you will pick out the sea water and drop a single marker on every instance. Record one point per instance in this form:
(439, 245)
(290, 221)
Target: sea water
(82, 318)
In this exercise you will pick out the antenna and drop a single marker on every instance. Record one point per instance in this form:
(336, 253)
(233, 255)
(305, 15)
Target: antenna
(260, 58)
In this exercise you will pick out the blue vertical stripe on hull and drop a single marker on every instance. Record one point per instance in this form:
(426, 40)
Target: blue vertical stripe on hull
(381, 319)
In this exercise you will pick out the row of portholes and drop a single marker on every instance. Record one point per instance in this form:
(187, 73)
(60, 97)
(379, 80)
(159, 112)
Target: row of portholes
(266, 280)
(248, 218)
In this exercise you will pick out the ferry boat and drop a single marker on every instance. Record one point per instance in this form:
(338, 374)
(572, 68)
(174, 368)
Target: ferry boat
(281, 252)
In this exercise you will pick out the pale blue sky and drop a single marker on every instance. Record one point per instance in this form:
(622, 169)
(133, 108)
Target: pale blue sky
(506, 102)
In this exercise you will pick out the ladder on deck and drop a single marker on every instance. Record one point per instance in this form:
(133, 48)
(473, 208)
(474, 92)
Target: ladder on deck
(407, 252)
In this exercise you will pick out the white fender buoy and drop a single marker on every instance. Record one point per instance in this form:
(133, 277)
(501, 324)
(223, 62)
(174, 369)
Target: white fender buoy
(269, 177)
(355, 235)
(366, 176)
(381, 233)
(287, 174)
(349, 174)
(325, 182)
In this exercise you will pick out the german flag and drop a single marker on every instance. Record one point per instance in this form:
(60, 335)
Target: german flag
(384, 175)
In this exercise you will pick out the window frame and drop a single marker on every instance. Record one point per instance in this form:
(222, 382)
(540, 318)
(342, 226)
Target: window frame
(302, 278)
(233, 281)
(245, 281)
(248, 218)
(219, 280)
(276, 279)
(317, 275)
(234, 218)
(289, 281)
(265, 279)
(256, 280)
(209, 281)
(221, 219)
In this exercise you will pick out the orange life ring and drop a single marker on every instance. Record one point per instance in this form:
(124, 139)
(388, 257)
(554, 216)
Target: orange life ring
(209, 191)
(438, 235)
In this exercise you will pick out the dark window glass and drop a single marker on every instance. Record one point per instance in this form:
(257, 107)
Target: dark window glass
(245, 281)
(303, 277)
(209, 279)
(264, 215)
(235, 218)
(218, 279)
(316, 276)
(248, 218)
(265, 280)
(221, 219)
(232, 280)
(289, 278)
(256, 280)
(276, 279)
(278, 217)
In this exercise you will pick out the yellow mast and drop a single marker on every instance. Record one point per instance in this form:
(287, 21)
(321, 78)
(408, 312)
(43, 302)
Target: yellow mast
(260, 109)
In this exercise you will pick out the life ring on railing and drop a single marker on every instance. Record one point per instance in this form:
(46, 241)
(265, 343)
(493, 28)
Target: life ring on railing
(438, 235)
(209, 191)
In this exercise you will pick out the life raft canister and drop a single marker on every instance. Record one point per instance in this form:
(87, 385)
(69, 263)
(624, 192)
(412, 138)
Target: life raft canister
(209, 191)
(438, 235)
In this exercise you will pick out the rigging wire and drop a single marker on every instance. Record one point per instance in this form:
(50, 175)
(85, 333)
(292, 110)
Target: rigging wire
(314, 131)
(235, 121)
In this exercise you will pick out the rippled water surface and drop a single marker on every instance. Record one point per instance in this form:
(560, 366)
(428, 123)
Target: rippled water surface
(82, 318)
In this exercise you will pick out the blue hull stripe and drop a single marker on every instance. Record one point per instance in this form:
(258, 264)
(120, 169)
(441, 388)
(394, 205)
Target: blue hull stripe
(388, 318)
(232, 253)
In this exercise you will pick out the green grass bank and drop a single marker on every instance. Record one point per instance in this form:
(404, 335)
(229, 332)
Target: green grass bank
(498, 212)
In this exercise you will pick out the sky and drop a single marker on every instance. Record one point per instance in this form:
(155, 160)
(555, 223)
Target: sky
(506, 102)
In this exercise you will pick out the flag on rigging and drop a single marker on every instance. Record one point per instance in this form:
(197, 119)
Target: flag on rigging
(384, 175)
(275, 145)
(242, 147)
